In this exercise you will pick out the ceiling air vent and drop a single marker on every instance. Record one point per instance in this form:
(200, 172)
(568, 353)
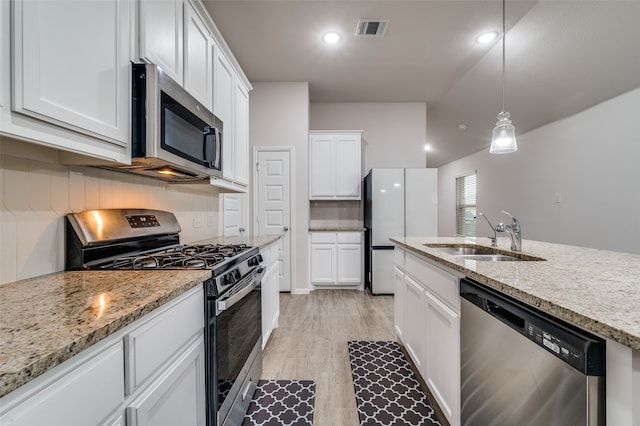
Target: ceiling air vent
(372, 27)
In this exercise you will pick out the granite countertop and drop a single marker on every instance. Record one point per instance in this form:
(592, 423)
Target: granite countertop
(337, 229)
(259, 241)
(597, 290)
(47, 320)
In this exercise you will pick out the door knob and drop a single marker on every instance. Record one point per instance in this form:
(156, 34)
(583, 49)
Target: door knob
(286, 228)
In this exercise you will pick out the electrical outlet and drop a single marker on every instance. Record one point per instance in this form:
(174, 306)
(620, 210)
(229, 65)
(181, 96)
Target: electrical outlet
(197, 223)
(558, 197)
(210, 219)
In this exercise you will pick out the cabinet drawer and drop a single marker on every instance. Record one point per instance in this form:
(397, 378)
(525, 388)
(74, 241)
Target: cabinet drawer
(323, 237)
(86, 393)
(349, 237)
(162, 336)
(436, 280)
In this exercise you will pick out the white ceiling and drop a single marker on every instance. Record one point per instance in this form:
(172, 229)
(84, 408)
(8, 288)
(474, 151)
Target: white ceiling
(561, 57)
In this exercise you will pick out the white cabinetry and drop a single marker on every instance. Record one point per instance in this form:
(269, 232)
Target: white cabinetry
(231, 105)
(270, 290)
(161, 35)
(335, 165)
(83, 391)
(198, 63)
(177, 397)
(336, 258)
(152, 370)
(71, 75)
(430, 329)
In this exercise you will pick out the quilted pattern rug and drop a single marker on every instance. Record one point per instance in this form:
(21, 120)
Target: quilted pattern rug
(282, 403)
(387, 391)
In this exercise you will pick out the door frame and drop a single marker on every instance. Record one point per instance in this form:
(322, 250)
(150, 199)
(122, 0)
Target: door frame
(292, 196)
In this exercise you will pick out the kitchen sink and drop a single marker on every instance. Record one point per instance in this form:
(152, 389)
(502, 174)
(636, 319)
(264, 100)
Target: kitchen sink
(481, 253)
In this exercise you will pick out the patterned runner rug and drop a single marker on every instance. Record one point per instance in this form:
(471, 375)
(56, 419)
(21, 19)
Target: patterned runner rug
(387, 392)
(282, 403)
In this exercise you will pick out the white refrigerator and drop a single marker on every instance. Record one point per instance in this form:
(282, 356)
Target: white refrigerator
(397, 203)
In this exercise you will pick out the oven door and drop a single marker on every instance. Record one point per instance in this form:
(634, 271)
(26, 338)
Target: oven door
(235, 342)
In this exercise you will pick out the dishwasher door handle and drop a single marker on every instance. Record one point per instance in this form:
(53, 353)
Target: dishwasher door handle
(513, 320)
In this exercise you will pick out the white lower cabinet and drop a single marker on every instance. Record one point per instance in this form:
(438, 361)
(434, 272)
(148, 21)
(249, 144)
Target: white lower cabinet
(336, 258)
(442, 344)
(414, 337)
(166, 348)
(83, 391)
(270, 291)
(427, 322)
(400, 304)
(177, 396)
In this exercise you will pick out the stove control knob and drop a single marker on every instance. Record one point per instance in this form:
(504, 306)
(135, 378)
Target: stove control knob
(229, 278)
(259, 258)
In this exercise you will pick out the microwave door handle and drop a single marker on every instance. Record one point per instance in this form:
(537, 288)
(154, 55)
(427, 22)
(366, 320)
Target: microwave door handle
(208, 131)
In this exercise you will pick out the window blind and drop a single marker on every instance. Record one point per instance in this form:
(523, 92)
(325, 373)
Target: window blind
(466, 205)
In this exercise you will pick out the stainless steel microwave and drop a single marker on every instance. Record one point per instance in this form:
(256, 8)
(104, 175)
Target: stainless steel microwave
(174, 137)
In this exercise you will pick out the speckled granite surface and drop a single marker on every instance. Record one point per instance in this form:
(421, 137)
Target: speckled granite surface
(337, 229)
(595, 289)
(250, 240)
(46, 320)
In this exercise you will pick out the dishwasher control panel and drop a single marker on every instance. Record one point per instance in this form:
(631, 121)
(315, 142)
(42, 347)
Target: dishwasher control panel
(553, 343)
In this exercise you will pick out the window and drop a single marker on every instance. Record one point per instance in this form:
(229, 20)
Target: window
(466, 205)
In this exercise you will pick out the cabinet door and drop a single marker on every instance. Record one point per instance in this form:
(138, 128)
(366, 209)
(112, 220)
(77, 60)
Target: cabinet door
(400, 304)
(323, 263)
(442, 356)
(71, 65)
(241, 133)
(414, 334)
(161, 35)
(177, 397)
(198, 72)
(349, 263)
(321, 166)
(223, 91)
(348, 169)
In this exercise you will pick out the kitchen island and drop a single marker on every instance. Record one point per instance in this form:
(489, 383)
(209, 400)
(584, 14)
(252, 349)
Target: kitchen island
(47, 320)
(596, 290)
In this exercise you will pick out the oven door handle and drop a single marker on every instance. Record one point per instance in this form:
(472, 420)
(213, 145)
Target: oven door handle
(227, 303)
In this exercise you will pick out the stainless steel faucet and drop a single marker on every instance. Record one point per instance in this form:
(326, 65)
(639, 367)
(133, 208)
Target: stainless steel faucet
(514, 230)
(494, 240)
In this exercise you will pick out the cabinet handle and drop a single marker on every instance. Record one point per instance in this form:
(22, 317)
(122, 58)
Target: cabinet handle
(286, 228)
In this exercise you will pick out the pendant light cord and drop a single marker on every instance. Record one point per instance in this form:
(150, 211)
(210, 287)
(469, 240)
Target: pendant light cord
(504, 35)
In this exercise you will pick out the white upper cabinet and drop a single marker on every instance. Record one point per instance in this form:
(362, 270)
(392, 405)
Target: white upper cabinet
(71, 70)
(335, 165)
(223, 91)
(198, 66)
(241, 133)
(161, 35)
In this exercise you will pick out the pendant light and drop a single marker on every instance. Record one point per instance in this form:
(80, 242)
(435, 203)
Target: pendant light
(504, 134)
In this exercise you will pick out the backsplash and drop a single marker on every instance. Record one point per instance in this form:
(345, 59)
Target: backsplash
(36, 192)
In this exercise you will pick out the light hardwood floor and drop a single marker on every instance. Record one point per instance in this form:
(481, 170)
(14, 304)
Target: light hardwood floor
(311, 343)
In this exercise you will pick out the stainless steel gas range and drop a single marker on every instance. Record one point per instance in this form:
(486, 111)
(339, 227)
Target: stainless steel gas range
(142, 239)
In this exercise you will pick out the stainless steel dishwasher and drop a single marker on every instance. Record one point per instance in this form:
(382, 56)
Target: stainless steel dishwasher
(520, 366)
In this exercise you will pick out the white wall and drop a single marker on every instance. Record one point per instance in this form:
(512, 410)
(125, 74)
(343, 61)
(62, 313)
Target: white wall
(394, 133)
(280, 117)
(36, 192)
(591, 159)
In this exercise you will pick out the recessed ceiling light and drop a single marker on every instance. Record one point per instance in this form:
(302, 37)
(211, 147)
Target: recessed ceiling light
(331, 37)
(427, 148)
(487, 37)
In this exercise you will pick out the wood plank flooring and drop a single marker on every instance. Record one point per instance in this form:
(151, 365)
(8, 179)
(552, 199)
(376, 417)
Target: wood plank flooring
(311, 343)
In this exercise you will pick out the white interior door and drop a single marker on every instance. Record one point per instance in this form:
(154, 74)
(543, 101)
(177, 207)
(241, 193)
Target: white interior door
(273, 209)
(234, 222)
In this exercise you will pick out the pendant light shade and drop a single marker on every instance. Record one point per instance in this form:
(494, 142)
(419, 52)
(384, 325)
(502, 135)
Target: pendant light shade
(504, 134)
